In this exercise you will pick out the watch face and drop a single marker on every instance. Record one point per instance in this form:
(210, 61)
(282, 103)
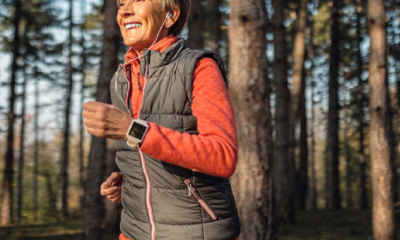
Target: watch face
(137, 130)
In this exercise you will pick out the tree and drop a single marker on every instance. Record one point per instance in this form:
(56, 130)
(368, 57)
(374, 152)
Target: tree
(196, 25)
(332, 192)
(250, 88)
(381, 172)
(7, 197)
(284, 172)
(98, 150)
(298, 102)
(213, 24)
(67, 111)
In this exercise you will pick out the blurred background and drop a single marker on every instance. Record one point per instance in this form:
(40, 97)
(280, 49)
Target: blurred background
(316, 166)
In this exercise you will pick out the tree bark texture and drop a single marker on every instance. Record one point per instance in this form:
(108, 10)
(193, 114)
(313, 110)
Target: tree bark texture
(284, 170)
(381, 172)
(98, 150)
(298, 104)
(7, 197)
(250, 88)
(360, 109)
(332, 192)
(196, 25)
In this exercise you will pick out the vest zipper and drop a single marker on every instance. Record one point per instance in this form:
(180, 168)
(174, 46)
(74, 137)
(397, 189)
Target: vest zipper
(193, 191)
(149, 205)
(128, 93)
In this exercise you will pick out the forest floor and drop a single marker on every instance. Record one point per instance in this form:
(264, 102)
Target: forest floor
(311, 225)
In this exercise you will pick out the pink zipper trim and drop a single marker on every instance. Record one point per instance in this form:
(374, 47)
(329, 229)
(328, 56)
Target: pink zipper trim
(203, 204)
(148, 197)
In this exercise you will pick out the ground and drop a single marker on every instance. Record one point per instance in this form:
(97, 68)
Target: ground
(311, 225)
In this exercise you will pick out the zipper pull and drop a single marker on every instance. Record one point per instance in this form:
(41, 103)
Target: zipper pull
(138, 82)
(189, 186)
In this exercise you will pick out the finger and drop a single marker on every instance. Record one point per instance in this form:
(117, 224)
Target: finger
(90, 123)
(90, 106)
(88, 114)
(113, 178)
(108, 191)
(115, 200)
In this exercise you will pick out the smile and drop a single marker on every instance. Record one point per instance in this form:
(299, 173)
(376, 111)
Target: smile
(132, 25)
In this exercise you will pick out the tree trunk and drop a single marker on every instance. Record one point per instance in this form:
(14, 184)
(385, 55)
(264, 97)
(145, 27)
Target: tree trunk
(112, 216)
(360, 109)
(346, 129)
(303, 170)
(7, 197)
(312, 191)
(196, 25)
(98, 150)
(284, 171)
(214, 19)
(81, 125)
(35, 193)
(381, 172)
(332, 191)
(68, 101)
(298, 104)
(21, 161)
(250, 88)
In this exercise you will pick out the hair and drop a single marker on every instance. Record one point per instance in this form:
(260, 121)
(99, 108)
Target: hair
(170, 6)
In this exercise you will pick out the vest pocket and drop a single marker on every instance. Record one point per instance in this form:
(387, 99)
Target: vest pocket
(193, 192)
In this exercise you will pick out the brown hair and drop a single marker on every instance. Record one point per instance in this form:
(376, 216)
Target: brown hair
(169, 6)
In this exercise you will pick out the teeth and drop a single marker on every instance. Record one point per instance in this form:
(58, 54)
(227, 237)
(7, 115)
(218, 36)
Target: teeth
(132, 25)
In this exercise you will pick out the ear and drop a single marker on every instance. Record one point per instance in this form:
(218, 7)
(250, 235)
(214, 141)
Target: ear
(174, 18)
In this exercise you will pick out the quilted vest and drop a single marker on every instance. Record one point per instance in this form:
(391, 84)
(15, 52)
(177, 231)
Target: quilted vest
(160, 200)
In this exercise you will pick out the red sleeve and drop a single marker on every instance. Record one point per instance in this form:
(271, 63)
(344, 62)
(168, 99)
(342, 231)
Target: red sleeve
(214, 150)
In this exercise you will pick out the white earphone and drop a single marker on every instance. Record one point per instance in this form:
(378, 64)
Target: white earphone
(169, 15)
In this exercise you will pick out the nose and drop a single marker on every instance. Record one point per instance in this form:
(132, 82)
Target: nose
(126, 9)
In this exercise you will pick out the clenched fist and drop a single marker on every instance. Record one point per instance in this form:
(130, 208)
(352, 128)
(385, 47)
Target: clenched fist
(105, 120)
(112, 187)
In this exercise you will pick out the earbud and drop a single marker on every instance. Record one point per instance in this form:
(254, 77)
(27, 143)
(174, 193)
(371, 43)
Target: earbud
(169, 15)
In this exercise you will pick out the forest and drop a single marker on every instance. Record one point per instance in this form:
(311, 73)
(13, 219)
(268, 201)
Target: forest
(316, 89)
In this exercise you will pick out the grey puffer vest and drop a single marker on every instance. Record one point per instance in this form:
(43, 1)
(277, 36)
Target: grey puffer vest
(155, 197)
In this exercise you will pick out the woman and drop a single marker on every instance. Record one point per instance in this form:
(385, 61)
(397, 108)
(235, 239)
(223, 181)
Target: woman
(181, 145)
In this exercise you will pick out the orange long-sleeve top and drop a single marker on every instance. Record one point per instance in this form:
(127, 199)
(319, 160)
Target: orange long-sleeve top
(214, 150)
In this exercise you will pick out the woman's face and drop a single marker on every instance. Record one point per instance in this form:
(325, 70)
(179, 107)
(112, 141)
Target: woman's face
(139, 22)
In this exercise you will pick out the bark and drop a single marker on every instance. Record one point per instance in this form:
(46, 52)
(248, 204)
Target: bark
(7, 191)
(298, 104)
(284, 171)
(98, 150)
(332, 192)
(196, 25)
(381, 172)
(67, 113)
(214, 16)
(360, 109)
(250, 87)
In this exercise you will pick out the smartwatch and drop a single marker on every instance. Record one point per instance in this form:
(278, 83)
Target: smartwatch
(137, 131)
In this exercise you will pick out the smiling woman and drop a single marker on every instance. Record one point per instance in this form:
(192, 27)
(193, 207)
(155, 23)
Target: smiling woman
(174, 128)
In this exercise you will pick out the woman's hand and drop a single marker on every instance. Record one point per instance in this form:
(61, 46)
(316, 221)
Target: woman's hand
(105, 120)
(111, 188)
